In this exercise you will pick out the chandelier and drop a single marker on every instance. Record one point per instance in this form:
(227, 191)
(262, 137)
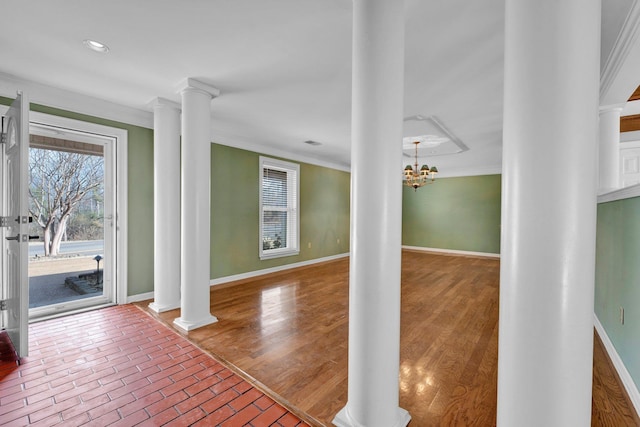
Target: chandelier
(417, 178)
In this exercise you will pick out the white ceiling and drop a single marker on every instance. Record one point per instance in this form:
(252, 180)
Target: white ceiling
(283, 66)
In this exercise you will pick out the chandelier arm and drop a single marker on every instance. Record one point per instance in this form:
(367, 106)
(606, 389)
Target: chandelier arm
(413, 176)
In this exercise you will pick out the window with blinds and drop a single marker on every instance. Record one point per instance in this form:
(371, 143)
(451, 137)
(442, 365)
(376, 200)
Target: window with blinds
(278, 208)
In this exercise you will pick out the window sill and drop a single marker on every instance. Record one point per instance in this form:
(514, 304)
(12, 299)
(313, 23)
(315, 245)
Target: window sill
(279, 254)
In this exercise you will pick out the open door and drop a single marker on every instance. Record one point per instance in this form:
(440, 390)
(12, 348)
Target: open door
(14, 223)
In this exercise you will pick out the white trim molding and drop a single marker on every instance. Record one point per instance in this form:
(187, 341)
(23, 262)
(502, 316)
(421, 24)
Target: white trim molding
(236, 141)
(121, 138)
(256, 273)
(623, 373)
(622, 193)
(141, 297)
(451, 252)
(291, 245)
(621, 49)
(474, 171)
(72, 101)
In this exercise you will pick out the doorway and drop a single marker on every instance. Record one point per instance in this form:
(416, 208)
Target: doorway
(77, 205)
(105, 209)
(71, 257)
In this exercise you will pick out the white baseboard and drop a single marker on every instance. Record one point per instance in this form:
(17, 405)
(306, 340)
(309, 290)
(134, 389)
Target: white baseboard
(139, 297)
(250, 274)
(451, 251)
(627, 380)
(255, 273)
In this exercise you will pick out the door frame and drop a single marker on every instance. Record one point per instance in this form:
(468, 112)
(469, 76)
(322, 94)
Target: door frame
(120, 138)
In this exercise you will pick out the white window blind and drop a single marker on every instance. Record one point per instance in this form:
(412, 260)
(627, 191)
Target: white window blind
(278, 208)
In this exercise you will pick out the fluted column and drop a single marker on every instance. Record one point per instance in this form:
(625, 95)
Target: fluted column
(609, 149)
(551, 96)
(166, 206)
(376, 216)
(196, 205)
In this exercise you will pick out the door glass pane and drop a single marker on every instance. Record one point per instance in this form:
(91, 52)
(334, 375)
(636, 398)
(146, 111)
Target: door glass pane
(67, 206)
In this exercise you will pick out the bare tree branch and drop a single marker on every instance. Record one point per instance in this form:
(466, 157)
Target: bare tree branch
(59, 181)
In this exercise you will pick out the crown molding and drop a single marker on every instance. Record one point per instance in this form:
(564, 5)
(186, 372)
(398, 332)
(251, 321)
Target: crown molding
(621, 48)
(83, 104)
(473, 171)
(242, 143)
(72, 101)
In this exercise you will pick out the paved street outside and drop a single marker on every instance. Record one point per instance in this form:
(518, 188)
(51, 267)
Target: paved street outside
(71, 247)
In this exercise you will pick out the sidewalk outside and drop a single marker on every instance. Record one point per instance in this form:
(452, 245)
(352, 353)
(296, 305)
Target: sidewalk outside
(46, 278)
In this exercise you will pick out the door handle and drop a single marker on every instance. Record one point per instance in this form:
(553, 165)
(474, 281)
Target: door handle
(24, 238)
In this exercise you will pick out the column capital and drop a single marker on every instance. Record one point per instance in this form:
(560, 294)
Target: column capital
(610, 108)
(191, 83)
(163, 102)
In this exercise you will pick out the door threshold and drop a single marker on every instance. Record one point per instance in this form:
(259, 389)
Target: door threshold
(70, 312)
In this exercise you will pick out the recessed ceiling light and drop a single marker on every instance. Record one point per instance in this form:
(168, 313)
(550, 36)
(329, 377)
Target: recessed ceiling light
(96, 46)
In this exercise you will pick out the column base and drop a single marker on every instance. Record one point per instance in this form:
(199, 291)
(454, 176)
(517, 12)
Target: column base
(160, 308)
(187, 325)
(342, 419)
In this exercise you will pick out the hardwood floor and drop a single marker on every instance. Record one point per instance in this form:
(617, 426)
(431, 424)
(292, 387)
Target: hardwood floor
(449, 339)
(611, 405)
(289, 332)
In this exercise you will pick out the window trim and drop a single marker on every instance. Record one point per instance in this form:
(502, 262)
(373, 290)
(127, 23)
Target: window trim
(293, 247)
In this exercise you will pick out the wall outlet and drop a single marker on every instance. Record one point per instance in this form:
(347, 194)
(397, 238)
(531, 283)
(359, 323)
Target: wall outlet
(309, 245)
(621, 315)
(338, 240)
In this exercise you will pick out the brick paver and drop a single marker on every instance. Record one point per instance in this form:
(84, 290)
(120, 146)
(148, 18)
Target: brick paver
(143, 373)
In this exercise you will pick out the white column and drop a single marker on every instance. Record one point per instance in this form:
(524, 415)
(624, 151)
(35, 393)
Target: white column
(551, 95)
(196, 206)
(376, 216)
(166, 206)
(609, 149)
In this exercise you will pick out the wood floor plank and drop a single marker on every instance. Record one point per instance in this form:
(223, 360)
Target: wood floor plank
(289, 332)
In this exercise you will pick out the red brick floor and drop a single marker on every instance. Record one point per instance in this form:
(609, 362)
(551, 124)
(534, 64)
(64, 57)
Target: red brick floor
(117, 366)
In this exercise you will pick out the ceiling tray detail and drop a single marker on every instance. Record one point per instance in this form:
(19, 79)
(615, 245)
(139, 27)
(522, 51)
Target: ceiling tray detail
(435, 139)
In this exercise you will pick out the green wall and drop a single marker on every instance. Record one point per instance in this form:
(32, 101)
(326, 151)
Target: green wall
(324, 207)
(140, 196)
(454, 213)
(618, 278)
(324, 213)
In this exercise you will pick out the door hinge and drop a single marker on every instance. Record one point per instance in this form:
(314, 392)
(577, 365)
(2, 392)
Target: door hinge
(5, 221)
(3, 305)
